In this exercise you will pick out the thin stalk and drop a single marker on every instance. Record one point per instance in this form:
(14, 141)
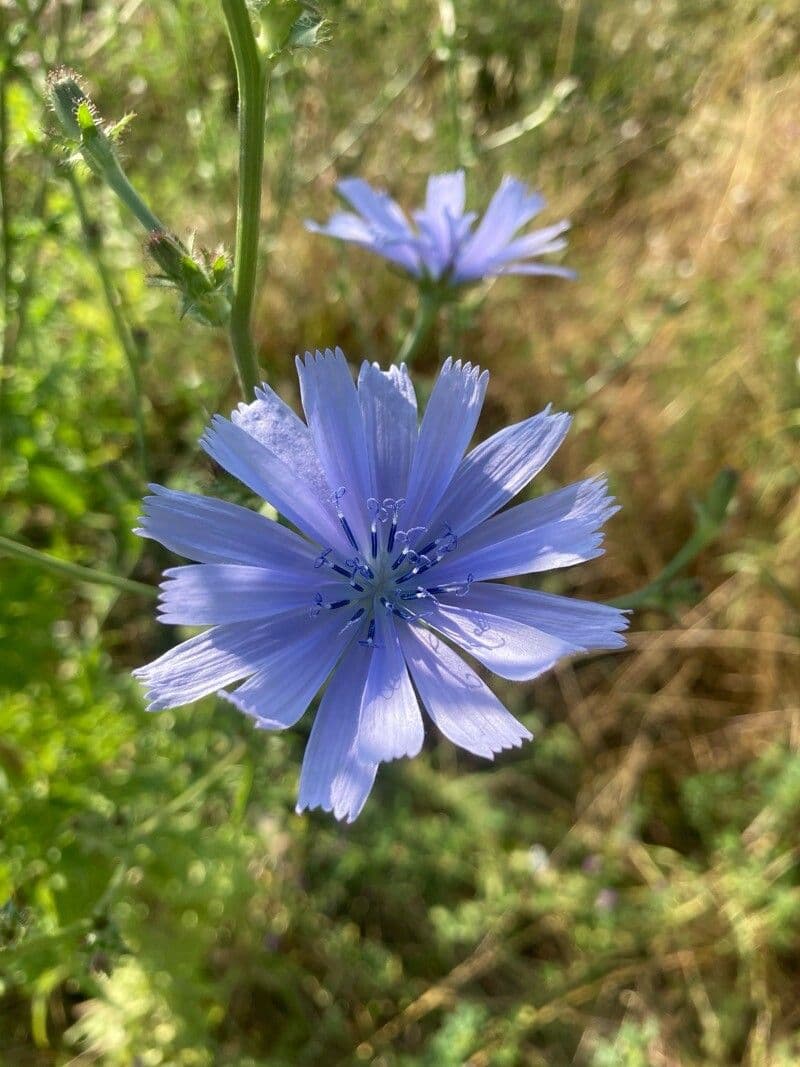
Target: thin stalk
(4, 204)
(117, 180)
(424, 319)
(448, 26)
(28, 273)
(192, 794)
(711, 515)
(251, 80)
(565, 51)
(653, 590)
(73, 571)
(121, 328)
(8, 245)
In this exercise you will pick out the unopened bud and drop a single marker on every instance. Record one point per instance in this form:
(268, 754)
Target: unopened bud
(168, 253)
(81, 123)
(203, 281)
(67, 96)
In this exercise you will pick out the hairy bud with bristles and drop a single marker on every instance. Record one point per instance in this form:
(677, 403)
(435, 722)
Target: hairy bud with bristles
(69, 102)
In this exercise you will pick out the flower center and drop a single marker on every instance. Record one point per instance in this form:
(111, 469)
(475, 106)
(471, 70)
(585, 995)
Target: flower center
(390, 573)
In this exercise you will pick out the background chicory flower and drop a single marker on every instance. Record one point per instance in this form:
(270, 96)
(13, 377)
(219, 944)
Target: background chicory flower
(444, 245)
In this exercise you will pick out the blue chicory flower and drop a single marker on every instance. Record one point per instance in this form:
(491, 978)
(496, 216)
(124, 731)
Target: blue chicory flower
(444, 248)
(398, 544)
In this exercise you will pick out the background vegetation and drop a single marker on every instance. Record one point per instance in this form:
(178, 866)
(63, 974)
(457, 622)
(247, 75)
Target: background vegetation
(623, 892)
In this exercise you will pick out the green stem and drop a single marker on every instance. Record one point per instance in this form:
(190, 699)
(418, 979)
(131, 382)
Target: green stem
(251, 80)
(191, 795)
(448, 27)
(73, 571)
(6, 339)
(424, 319)
(653, 590)
(93, 243)
(711, 516)
(5, 206)
(117, 180)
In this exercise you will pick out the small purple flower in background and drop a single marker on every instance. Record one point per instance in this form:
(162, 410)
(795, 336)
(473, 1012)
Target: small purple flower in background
(443, 247)
(400, 539)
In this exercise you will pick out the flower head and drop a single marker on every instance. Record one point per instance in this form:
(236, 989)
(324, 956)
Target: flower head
(398, 542)
(445, 246)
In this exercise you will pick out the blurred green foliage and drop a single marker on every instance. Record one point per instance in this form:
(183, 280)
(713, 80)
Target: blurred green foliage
(623, 892)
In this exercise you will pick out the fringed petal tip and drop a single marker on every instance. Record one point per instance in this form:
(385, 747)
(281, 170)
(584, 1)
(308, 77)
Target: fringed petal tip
(347, 799)
(492, 752)
(342, 813)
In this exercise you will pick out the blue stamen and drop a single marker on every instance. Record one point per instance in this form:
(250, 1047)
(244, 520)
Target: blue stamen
(392, 535)
(336, 496)
(458, 589)
(370, 638)
(348, 531)
(353, 620)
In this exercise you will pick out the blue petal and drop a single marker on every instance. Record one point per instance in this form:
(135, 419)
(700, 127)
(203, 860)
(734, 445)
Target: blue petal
(498, 469)
(212, 594)
(556, 530)
(463, 708)
(274, 425)
(439, 222)
(447, 427)
(537, 243)
(291, 673)
(393, 237)
(584, 625)
(389, 407)
(333, 777)
(391, 724)
(511, 207)
(211, 660)
(345, 226)
(511, 649)
(377, 207)
(446, 194)
(267, 475)
(214, 531)
(330, 402)
(539, 268)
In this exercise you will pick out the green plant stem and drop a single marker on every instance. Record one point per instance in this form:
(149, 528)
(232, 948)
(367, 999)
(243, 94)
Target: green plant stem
(93, 243)
(251, 80)
(711, 513)
(7, 334)
(117, 180)
(191, 795)
(702, 537)
(5, 224)
(73, 571)
(448, 27)
(424, 319)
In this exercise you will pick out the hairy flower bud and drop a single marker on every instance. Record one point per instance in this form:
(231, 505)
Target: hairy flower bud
(66, 96)
(80, 122)
(203, 281)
